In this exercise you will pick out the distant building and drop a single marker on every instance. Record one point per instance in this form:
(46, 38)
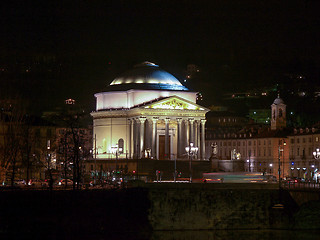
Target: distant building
(257, 146)
(302, 144)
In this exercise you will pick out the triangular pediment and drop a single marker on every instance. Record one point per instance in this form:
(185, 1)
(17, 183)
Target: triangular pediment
(176, 103)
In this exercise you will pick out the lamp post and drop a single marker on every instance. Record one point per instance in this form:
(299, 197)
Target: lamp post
(279, 160)
(191, 150)
(316, 155)
(115, 151)
(249, 161)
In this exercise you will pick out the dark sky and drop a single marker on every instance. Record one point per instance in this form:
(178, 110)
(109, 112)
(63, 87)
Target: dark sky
(233, 42)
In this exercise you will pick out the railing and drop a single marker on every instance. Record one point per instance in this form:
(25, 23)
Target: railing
(301, 185)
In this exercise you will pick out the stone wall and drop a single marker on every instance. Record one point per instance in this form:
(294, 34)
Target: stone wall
(208, 208)
(155, 207)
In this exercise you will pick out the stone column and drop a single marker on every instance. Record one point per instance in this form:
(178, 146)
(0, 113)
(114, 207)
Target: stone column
(148, 137)
(197, 137)
(202, 144)
(154, 152)
(135, 143)
(142, 140)
(191, 137)
(179, 142)
(166, 139)
(187, 139)
(130, 137)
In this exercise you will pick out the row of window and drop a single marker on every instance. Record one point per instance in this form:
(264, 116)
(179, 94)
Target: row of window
(301, 152)
(250, 143)
(251, 152)
(303, 140)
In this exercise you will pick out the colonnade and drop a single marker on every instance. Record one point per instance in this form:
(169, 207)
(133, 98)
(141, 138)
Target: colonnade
(144, 135)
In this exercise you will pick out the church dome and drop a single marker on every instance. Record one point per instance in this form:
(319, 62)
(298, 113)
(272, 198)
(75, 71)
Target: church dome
(278, 100)
(146, 75)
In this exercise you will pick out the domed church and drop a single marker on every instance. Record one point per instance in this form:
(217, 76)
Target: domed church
(147, 114)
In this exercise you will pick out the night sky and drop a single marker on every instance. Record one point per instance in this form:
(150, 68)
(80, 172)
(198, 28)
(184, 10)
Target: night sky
(236, 44)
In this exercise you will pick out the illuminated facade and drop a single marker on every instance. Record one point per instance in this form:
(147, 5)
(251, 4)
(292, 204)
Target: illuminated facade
(259, 149)
(148, 114)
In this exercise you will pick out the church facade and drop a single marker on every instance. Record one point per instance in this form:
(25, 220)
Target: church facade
(146, 113)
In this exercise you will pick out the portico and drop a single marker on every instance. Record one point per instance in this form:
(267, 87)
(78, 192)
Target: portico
(152, 130)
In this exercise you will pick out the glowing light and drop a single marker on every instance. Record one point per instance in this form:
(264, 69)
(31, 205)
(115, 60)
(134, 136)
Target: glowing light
(139, 81)
(153, 81)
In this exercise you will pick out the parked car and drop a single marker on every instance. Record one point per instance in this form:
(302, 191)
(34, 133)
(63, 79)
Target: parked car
(63, 182)
(37, 183)
(292, 180)
(19, 182)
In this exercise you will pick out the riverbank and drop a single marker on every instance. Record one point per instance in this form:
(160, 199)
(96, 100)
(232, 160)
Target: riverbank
(155, 207)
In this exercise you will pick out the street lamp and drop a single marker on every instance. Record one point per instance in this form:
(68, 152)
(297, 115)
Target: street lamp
(316, 155)
(115, 151)
(279, 159)
(191, 151)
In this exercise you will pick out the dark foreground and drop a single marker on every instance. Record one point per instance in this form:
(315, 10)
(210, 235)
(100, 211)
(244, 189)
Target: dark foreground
(157, 212)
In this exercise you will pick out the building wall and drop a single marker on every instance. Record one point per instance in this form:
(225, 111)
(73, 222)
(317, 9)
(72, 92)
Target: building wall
(108, 131)
(128, 99)
(258, 154)
(301, 148)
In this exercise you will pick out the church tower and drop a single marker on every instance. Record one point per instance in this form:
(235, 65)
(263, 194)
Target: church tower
(278, 114)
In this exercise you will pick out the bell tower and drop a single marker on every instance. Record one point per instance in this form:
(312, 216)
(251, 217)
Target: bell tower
(278, 114)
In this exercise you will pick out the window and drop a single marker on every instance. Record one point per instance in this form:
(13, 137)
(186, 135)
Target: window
(310, 152)
(298, 151)
(259, 143)
(292, 140)
(298, 140)
(264, 142)
(249, 143)
(269, 152)
(91, 167)
(317, 139)
(264, 152)
(49, 133)
(303, 140)
(120, 145)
